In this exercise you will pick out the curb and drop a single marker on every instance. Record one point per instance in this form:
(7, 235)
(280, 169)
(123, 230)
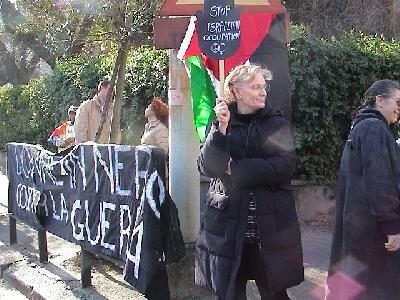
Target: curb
(25, 289)
(3, 268)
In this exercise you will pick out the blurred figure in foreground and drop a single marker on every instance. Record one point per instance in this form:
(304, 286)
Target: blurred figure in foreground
(365, 261)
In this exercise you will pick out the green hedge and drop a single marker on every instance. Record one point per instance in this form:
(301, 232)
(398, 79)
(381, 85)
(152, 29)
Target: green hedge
(328, 80)
(29, 113)
(147, 76)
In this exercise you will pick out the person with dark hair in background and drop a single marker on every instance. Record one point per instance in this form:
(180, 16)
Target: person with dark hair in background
(156, 129)
(250, 228)
(88, 117)
(365, 261)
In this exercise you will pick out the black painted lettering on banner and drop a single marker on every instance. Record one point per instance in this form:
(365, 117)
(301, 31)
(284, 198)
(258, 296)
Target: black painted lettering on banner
(219, 28)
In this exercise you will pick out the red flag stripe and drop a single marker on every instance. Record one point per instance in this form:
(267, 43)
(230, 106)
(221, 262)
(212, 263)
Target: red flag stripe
(60, 130)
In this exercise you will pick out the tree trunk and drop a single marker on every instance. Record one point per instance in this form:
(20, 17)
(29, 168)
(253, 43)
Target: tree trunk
(11, 19)
(123, 55)
(116, 121)
(108, 97)
(80, 36)
(12, 70)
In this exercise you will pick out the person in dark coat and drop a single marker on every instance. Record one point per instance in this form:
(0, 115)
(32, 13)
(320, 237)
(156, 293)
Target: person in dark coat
(250, 228)
(365, 261)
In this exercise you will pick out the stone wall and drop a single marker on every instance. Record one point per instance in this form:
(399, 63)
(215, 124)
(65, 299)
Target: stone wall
(314, 204)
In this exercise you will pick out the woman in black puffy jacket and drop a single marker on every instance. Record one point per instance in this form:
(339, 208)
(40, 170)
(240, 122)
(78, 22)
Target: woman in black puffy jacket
(250, 228)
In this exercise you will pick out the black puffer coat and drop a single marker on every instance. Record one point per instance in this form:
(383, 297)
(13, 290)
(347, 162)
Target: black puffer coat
(367, 209)
(262, 164)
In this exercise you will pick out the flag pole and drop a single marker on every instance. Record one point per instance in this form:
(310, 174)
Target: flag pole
(221, 77)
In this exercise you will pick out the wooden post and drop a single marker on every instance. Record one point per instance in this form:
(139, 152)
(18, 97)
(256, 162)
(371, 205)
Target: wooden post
(86, 268)
(13, 230)
(42, 240)
(221, 77)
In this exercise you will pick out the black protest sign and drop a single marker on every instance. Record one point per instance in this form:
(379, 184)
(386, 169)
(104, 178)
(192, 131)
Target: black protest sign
(219, 29)
(107, 198)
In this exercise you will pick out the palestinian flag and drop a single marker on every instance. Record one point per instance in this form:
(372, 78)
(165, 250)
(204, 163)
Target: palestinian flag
(203, 72)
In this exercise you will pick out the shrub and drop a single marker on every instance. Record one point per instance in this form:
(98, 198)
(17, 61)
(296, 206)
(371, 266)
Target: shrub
(13, 115)
(147, 77)
(328, 80)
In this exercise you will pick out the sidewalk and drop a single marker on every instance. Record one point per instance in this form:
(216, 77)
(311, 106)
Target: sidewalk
(61, 273)
(60, 278)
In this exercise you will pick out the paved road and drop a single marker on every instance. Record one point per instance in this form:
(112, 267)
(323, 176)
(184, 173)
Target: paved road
(316, 247)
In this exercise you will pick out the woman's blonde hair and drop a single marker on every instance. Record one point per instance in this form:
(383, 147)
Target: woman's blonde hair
(240, 74)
